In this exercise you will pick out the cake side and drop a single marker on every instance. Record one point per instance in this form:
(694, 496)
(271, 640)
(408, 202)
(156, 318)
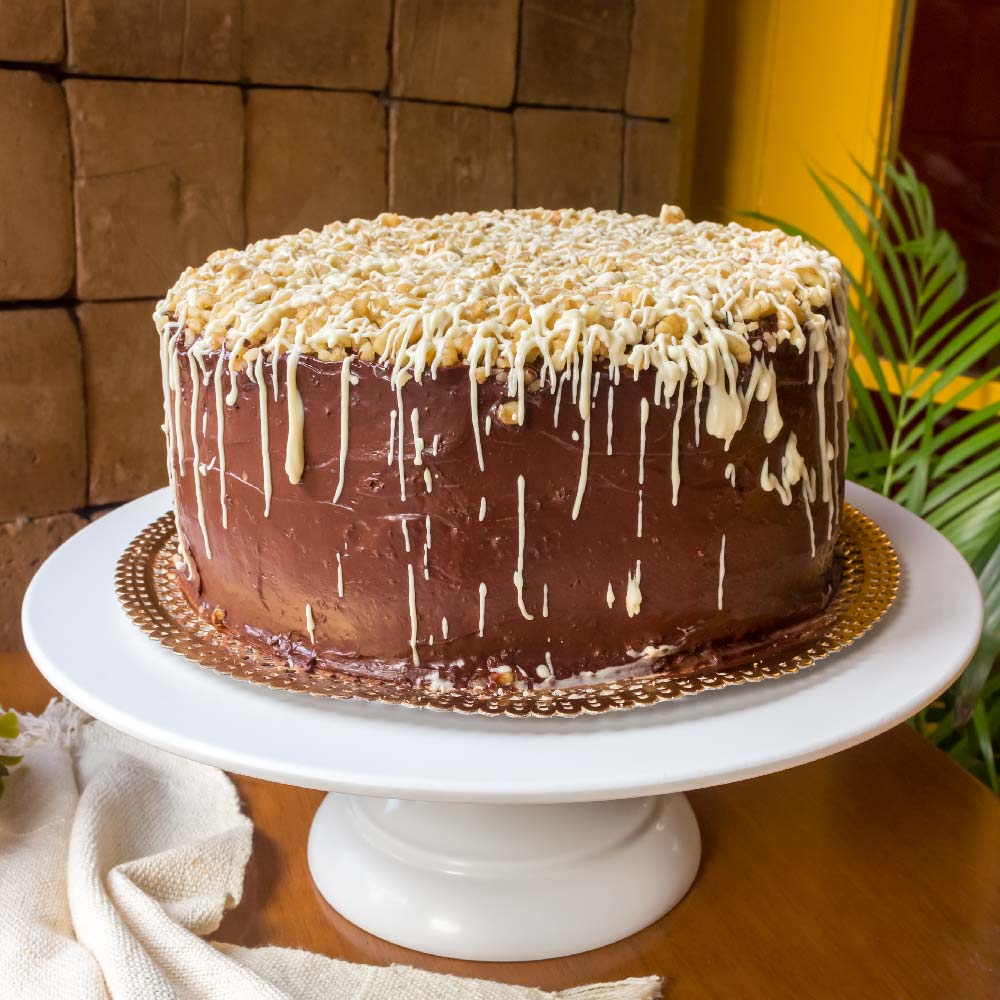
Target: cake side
(503, 587)
(553, 501)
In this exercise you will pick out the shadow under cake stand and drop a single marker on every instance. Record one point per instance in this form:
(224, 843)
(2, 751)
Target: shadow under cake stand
(500, 839)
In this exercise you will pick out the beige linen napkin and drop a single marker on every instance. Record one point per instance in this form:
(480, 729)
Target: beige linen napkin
(115, 857)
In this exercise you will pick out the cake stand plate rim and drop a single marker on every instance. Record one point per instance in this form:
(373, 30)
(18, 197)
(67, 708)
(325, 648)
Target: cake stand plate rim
(129, 681)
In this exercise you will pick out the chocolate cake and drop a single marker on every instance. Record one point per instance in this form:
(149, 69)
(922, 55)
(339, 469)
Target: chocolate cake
(527, 448)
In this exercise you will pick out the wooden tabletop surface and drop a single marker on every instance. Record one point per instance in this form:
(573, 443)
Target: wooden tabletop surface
(873, 873)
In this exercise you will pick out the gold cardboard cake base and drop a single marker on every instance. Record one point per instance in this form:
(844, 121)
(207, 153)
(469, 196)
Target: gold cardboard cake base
(148, 590)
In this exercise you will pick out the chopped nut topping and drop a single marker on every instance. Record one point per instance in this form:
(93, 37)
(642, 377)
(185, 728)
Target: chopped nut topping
(502, 288)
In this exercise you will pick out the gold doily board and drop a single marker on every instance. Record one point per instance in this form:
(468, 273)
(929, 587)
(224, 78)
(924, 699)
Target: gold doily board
(147, 588)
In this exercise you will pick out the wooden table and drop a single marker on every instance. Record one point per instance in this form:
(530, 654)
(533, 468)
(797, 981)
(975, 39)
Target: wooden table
(874, 873)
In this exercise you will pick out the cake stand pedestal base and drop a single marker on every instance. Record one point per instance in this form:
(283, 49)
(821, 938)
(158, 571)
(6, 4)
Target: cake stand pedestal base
(500, 838)
(503, 882)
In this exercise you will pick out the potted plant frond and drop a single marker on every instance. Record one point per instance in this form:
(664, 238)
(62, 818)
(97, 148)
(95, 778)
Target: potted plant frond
(920, 358)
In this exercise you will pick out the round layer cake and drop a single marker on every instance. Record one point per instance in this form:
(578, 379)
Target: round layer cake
(527, 448)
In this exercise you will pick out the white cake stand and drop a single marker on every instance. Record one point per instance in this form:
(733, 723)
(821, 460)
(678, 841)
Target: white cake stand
(498, 838)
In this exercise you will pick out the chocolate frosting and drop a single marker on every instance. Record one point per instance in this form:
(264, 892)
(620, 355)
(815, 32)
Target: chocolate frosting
(264, 571)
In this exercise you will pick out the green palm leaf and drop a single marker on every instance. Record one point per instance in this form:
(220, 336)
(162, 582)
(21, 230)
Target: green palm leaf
(918, 359)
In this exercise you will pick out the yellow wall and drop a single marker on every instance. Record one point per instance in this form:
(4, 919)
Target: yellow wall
(786, 84)
(789, 84)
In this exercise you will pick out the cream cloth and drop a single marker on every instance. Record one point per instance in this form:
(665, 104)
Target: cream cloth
(115, 857)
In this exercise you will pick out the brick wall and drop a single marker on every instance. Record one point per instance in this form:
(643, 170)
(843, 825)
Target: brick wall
(140, 135)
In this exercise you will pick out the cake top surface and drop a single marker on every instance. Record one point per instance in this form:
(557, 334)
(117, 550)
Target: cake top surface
(506, 287)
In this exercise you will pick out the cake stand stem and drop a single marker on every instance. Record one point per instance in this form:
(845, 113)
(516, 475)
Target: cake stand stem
(503, 883)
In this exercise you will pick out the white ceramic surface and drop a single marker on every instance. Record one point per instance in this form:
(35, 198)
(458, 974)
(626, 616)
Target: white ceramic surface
(497, 838)
(83, 642)
(503, 882)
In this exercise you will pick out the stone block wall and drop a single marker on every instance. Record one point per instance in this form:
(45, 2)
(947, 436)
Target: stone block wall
(140, 135)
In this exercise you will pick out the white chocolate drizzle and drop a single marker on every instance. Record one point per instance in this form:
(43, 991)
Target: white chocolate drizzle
(643, 419)
(412, 595)
(633, 595)
(772, 420)
(699, 392)
(519, 572)
(793, 471)
(234, 388)
(418, 441)
(611, 406)
(545, 600)
(818, 345)
(444, 628)
(511, 286)
(265, 445)
(340, 577)
(584, 405)
(169, 369)
(559, 389)
(310, 623)
(295, 449)
(808, 496)
(195, 460)
(392, 437)
(482, 508)
(584, 466)
(722, 568)
(220, 438)
(675, 457)
(610, 596)
(482, 608)
(175, 384)
(399, 421)
(345, 406)
(474, 407)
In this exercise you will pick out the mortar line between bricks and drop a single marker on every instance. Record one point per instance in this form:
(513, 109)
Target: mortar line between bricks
(531, 107)
(245, 99)
(74, 195)
(86, 407)
(68, 302)
(622, 156)
(386, 102)
(624, 96)
(389, 42)
(64, 10)
(58, 73)
(513, 105)
(516, 106)
(54, 70)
